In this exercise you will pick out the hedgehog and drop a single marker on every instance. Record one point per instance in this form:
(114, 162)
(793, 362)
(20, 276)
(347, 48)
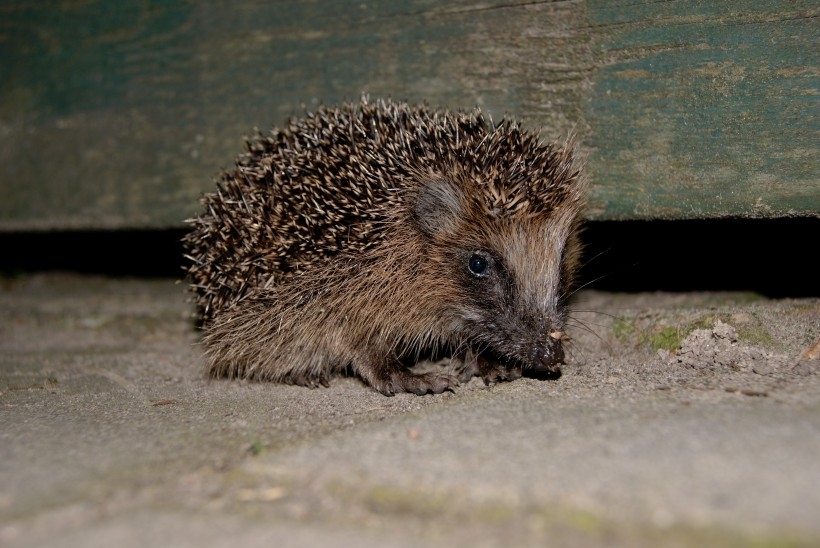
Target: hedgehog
(360, 238)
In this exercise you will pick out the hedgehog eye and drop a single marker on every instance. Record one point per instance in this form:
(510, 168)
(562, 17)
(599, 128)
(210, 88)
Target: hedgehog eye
(479, 265)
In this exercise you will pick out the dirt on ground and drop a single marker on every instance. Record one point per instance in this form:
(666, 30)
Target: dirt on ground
(680, 419)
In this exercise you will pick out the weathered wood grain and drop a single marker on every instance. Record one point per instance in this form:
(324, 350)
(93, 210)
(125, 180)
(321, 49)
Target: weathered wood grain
(119, 115)
(705, 109)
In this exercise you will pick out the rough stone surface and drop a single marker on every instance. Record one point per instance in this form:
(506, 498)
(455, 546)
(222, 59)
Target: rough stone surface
(681, 419)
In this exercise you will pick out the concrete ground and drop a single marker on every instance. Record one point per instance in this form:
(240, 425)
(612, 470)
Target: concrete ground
(680, 420)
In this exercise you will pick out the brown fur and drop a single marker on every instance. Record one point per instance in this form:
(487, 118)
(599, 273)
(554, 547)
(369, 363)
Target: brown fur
(345, 239)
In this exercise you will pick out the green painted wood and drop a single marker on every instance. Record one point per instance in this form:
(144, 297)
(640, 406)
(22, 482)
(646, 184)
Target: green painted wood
(705, 109)
(120, 114)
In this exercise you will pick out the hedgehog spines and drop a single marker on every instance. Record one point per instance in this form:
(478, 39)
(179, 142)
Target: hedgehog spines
(329, 184)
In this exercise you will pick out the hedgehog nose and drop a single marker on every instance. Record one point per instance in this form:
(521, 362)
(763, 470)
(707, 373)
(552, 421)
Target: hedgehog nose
(548, 358)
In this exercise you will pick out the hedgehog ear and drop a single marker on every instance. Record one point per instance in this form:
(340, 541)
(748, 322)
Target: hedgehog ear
(438, 207)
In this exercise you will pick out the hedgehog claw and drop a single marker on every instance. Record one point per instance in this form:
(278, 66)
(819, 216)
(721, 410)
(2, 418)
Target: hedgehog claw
(401, 380)
(493, 371)
(427, 383)
(470, 368)
(307, 380)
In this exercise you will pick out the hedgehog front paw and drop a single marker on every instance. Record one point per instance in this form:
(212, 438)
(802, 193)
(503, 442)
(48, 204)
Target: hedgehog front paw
(470, 368)
(314, 380)
(490, 371)
(427, 383)
(493, 371)
(395, 378)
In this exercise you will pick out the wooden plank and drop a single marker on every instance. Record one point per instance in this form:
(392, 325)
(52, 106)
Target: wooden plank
(705, 109)
(119, 115)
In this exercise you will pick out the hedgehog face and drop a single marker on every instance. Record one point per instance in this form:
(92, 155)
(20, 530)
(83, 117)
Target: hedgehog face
(510, 297)
(509, 274)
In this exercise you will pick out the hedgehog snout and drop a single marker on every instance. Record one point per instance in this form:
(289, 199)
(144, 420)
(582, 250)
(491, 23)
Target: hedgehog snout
(547, 358)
